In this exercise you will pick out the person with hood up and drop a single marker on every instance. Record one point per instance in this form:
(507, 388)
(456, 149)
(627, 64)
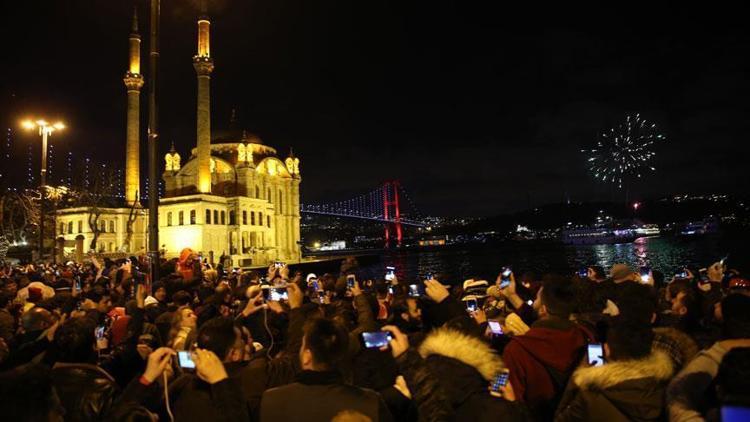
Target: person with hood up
(449, 374)
(541, 360)
(629, 386)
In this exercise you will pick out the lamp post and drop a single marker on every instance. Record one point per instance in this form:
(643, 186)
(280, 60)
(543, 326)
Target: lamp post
(153, 136)
(45, 130)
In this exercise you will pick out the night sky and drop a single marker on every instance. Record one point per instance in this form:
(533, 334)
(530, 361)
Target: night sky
(478, 110)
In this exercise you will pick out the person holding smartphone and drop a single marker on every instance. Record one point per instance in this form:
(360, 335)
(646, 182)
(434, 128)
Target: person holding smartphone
(628, 384)
(459, 378)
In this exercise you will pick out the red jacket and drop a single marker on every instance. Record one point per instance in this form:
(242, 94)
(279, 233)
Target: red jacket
(551, 344)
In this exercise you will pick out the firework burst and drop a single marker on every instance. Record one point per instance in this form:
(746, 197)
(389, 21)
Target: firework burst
(624, 152)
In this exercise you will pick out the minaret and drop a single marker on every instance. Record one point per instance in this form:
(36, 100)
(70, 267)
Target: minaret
(133, 82)
(204, 65)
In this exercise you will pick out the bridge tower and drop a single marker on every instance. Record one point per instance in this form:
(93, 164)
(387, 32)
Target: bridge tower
(390, 200)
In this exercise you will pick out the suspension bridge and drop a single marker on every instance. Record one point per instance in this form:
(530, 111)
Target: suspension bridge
(383, 204)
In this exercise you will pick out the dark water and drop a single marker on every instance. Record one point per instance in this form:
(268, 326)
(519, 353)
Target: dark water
(665, 254)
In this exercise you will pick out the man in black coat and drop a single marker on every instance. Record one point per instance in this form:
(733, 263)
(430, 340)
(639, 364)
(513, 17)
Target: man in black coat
(319, 393)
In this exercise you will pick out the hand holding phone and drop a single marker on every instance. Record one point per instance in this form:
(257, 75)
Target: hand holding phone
(500, 381)
(495, 327)
(471, 305)
(505, 277)
(376, 339)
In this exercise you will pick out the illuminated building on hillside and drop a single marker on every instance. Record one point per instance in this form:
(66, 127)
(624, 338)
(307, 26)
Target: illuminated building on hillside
(233, 196)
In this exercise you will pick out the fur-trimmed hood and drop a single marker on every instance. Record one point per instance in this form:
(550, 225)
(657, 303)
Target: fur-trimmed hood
(466, 349)
(657, 365)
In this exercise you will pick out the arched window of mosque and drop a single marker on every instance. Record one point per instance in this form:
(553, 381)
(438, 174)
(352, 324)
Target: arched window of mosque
(216, 215)
(70, 227)
(244, 217)
(260, 218)
(281, 203)
(111, 247)
(181, 218)
(269, 221)
(257, 192)
(80, 226)
(111, 227)
(231, 218)
(192, 216)
(268, 195)
(223, 215)
(208, 216)
(169, 218)
(62, 228)
(103, 227)
(252, 218)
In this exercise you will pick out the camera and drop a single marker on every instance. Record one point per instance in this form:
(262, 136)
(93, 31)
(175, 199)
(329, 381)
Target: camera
(376, 339)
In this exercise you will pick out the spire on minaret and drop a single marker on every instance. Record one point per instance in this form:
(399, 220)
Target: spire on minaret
(204, 65)
(134, 28)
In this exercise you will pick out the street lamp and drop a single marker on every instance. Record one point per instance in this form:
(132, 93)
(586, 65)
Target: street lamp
(45, 130)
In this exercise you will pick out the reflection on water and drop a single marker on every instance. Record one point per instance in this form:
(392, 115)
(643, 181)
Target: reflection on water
(665, 254)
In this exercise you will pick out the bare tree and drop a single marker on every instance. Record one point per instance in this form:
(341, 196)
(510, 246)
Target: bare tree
(129, 225)
(99, 195)
(19, 212)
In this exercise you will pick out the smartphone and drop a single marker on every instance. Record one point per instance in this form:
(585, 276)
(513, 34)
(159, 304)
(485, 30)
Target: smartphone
(101, 341)
(429, 276)
(500, 381)
(471, 305)
(277, 294)
(734, 413)
(315, 285)
(321, 296)
(78, 284)
(595, 354)
(416, 290)
(390, 272)
(376, 339)
(495, 327)
(583, 272)
(185, 359)
(645, 274)
(350, 279)
(682, 273)
(505, 277)
(391, 290)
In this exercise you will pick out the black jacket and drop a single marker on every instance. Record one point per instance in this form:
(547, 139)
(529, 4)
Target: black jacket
(86, 391)
(201, 401)
(449, 378)
(630, 390)
(319, 397)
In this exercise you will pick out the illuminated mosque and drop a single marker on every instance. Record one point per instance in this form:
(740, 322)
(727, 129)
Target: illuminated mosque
(232, 197)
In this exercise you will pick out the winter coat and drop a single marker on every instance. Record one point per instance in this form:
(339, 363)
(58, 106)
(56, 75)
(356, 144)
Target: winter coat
(541, 361)
(678, 345)
(200, 401)
(689, 394)
(320, 396)
(449, 377)
(630, 390)
(86, 391)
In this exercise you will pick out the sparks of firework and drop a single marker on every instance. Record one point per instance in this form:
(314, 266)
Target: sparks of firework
(624, 151)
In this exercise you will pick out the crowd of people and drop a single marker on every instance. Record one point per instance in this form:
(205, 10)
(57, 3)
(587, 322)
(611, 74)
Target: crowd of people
(100, 341)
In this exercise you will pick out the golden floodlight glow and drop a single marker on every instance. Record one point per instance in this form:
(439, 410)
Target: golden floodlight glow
(59, 126)
(28, 124)
(41, 122)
